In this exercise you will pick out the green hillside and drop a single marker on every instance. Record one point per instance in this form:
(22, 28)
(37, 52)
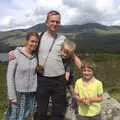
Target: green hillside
(91, 37)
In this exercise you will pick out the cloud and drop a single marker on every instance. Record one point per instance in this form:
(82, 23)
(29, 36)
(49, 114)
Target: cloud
(92, 11)
(17, 14)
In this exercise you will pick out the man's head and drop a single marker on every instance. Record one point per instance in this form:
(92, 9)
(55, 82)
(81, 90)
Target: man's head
(53, 21)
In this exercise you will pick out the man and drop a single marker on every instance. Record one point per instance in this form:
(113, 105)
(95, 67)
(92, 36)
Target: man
(52, 83)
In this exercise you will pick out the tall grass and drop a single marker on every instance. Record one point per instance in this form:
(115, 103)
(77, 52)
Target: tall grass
(3, 91)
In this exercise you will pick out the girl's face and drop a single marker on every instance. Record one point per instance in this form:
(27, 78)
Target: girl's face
(87, 73)
(32, 43)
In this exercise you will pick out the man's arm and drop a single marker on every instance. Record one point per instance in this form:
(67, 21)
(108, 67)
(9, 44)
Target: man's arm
(11, 54)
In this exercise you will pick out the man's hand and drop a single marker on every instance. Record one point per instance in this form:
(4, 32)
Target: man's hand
(14, 101)
(11, 56)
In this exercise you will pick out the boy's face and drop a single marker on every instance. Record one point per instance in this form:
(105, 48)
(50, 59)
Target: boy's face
(65, 54)
(87, 73)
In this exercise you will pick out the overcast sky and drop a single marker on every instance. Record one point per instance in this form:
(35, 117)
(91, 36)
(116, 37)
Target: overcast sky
(26, 13)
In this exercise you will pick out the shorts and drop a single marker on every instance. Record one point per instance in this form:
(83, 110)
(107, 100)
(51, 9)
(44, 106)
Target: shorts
(97, 117)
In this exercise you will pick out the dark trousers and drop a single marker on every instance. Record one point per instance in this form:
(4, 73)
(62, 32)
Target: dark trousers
(54, 87)
(97, 117)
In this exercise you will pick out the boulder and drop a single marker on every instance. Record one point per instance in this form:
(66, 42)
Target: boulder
(110, 109)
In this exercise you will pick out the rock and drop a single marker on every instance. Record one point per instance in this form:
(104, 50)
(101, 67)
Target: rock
(110, 109)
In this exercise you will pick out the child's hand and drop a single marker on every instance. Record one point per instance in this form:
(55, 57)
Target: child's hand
(67, 75)
(82, 100)
(87, 101)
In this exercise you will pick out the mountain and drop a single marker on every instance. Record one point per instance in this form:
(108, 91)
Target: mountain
(38, 28)
(70, 28)
(90, 37)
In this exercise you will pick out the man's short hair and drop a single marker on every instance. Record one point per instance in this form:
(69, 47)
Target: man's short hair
(53, 12)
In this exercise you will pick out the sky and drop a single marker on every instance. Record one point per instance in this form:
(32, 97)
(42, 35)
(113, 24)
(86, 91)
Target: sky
(22, 14)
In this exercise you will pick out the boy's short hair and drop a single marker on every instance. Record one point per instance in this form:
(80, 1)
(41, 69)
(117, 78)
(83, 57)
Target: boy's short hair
(68, 47)
(89, 65)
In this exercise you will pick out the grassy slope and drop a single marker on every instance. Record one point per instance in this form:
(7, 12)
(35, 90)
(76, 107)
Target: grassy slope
(16, 37)
(107, 70)
(3, 91)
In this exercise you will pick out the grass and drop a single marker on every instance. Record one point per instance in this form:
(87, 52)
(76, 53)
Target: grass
(3, 91)
(107, 70)
(112, 31)
(114, 92)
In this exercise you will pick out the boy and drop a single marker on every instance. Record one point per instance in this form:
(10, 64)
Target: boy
(88, 93)
(67, 53)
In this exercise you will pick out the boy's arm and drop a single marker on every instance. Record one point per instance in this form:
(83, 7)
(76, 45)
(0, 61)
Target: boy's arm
(67, 69)
(67, 75)
(77, 61)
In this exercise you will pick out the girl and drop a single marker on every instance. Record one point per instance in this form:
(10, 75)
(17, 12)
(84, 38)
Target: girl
(22, 80)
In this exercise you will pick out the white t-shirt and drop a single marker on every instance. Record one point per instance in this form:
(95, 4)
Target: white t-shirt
(53, 66)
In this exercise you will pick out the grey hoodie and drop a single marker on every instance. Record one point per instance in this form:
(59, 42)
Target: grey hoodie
(21, 75)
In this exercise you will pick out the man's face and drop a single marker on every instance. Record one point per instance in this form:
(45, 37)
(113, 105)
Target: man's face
(53, 23)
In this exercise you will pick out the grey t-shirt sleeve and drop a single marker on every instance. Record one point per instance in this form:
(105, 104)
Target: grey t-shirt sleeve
(11, 79)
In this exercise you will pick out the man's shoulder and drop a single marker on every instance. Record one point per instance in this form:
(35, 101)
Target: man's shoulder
(60, 35)
(61, 38)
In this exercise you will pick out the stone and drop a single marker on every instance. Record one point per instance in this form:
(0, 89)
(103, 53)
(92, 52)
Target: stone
(110, 109)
